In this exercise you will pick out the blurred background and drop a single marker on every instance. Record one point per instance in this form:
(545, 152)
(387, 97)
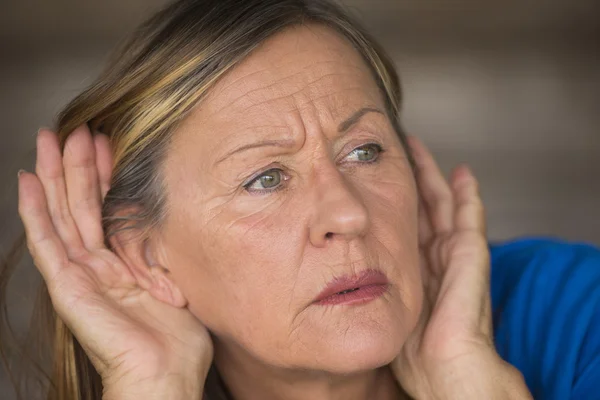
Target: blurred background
(512, 87)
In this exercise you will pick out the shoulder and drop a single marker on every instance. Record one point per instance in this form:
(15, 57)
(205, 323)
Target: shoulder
(544, 263)
(551, 254)
(546, 303)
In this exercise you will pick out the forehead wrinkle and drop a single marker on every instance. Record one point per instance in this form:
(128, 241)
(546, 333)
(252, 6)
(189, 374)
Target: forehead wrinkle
(335, 111)
(275, 131)
(269, 71)
(256, 92)
(218, 91)
(278, 87)
(307, 79)
(250, 62)
(329, 110)
(285, 99)
(281, 82)
(311, 87)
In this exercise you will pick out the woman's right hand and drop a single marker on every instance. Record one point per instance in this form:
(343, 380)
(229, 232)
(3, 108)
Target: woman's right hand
(140, 346)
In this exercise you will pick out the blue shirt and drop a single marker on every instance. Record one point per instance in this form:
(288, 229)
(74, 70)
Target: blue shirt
(546, 310)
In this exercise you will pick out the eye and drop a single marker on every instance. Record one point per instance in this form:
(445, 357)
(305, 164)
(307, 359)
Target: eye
(367, 153)
(266, 182)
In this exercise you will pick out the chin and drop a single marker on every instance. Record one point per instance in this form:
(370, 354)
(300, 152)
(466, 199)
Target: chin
(365, 339)
(362, 352)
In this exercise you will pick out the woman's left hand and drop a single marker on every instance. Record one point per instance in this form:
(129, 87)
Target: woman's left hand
(451, 353)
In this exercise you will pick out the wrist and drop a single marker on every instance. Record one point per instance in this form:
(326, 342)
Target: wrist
(154, 391)
(166, 387)
(479, 376)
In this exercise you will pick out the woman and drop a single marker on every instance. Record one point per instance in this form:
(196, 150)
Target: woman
(248, 221)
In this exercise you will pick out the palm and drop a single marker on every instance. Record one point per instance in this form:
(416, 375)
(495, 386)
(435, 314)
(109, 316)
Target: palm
(120, 325)
(123, 324)
(456, 319)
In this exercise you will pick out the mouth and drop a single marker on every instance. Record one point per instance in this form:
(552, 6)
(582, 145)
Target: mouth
(351, 290)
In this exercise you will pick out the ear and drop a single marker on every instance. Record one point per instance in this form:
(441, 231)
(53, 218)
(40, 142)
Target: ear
(139, 254)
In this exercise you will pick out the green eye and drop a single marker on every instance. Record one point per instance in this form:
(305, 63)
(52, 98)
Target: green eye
(267, 181)
(367, 153)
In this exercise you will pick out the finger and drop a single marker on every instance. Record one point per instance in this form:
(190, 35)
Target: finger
(434, 188)
(466, 277)
(469, 214)
(103, 162)
(83, 187)
(44, 243)
(49, 170)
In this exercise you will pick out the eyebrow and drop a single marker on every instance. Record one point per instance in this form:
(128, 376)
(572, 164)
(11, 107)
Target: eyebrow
(354, 118)
(342, 127)
(263, 143)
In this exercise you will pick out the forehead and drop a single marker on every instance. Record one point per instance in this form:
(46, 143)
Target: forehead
(301, 68)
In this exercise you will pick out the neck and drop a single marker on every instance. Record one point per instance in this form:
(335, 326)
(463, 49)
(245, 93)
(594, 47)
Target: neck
(248, 379)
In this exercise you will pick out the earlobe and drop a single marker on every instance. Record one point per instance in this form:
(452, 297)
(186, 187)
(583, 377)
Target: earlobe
(138, 254)
(163, 287)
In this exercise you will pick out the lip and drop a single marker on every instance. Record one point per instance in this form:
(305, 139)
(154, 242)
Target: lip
(357, 289)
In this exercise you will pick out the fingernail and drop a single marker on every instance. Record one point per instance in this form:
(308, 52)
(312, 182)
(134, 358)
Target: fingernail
(43, 128)
(20, 172)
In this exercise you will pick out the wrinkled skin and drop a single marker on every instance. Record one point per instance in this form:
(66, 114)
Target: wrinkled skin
(250, 264)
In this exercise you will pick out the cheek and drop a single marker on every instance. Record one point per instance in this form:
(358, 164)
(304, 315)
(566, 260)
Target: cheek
(393, 210)
(390, 195)
(239, 264)
(392, 201)
(264, 247)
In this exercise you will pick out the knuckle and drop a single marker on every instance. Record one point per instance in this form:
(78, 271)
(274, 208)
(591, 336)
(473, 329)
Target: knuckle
(61, 213)
(79, 255)
(85, 205)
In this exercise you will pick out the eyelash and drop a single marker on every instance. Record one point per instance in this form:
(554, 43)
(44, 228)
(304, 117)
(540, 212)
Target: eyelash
(378, 147)
(284, 178)
(247, 186)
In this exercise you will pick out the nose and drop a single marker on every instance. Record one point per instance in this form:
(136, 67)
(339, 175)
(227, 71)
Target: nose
(339, 211)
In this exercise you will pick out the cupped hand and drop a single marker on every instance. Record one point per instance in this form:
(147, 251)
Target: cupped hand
(453, 339)
(130, 337)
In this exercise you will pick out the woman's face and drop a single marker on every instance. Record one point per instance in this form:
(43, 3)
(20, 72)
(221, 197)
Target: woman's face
(272, 196)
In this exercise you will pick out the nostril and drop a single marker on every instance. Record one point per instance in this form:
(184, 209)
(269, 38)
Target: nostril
(328, 235)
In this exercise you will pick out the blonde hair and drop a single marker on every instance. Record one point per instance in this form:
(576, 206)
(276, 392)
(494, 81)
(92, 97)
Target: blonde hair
(167, 66)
